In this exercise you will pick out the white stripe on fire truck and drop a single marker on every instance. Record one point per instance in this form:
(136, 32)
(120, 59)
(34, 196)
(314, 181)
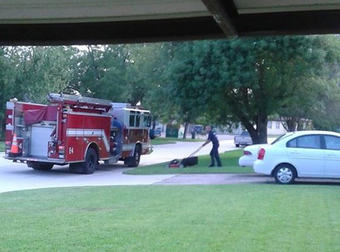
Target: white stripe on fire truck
(89, 133)
(106, 142)
(128, 147)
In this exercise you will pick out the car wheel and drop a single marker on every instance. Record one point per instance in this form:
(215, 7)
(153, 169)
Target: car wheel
(285, 174)
(237, 145)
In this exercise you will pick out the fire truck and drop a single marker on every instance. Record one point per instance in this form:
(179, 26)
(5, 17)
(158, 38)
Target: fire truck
(76, 130)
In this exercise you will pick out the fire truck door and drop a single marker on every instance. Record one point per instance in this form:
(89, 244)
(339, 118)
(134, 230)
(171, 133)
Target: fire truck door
(40, 136)
(75, 140)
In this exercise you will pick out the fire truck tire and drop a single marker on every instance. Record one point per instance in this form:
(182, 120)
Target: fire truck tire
(135, 159)
(87, 167)
(91, 161)
(40, 166)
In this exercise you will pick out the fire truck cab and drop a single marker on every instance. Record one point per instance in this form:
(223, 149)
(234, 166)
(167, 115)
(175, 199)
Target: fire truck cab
(76, 130)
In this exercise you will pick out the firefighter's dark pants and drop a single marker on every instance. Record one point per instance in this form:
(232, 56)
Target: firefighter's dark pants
(214, 155)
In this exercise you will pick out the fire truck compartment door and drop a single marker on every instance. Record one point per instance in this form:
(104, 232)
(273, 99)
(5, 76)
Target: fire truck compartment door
(40, 135)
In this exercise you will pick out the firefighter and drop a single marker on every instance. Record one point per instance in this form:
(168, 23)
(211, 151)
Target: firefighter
(214, 151)
(119, 135)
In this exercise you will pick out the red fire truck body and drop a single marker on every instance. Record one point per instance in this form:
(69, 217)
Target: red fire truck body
(75, 130)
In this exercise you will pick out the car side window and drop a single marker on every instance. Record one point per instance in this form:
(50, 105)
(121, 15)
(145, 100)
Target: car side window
(310, 142)
(332, 143)
(292, 143)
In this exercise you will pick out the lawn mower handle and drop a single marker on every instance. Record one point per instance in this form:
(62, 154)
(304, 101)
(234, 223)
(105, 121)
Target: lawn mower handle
(200, 148)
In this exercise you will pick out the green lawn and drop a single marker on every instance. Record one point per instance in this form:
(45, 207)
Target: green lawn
(229, 160)
(172, 140)
(2, 146)
(172, 218)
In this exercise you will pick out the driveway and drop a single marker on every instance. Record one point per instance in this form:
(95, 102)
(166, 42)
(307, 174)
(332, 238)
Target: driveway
(17, 176)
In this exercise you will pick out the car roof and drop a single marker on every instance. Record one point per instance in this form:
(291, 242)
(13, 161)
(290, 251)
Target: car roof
(314, 132)
(291, 135)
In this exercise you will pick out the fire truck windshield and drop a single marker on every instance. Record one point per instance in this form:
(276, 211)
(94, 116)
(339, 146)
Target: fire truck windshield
(147, 120)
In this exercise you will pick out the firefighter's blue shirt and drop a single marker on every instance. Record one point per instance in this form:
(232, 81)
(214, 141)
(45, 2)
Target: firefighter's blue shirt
(212, 137)
(118, 124)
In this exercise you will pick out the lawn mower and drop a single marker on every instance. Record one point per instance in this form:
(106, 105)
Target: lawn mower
(189, 161)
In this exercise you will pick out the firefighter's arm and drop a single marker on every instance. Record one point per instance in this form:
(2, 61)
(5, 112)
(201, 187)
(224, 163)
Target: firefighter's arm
(206, 142)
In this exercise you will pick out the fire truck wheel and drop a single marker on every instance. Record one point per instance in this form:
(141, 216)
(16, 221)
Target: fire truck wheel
(91, 161)
(40, 166)
(134, 161)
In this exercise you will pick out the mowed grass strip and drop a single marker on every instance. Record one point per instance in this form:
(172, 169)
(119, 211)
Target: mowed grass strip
(172, 218)
(172, 140)
(229, 160)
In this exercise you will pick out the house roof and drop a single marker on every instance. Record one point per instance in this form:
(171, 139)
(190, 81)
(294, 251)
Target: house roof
(24, 22)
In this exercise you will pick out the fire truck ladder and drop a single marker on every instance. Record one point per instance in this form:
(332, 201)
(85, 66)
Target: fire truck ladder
(79, 100)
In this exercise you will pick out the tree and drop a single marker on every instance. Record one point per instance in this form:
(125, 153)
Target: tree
(314, 99)
(246, 80)
(184, 92)
(32, 72)
(29, 73)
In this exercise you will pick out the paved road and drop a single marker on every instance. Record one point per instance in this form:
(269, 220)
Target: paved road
(17, 176)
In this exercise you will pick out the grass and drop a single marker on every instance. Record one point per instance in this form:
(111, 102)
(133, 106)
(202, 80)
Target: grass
(2, 146)
(172, 140)
(172, 218)
(229, 160)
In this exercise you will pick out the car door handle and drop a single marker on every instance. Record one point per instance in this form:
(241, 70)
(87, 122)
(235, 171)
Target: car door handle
(294, 152)
(331, 155)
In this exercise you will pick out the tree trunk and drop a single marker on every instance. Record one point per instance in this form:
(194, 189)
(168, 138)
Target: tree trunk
(185, 130)
(289, 123)
(258, 135)
(262, 129)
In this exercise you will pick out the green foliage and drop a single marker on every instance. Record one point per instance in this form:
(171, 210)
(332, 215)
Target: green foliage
(217, 82)
(29, 73)
(246, 80)
(315, 96)
(32, 72)
(121, 73)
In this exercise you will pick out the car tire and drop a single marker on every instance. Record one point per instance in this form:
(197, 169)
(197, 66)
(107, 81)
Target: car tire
(237, 145)
(284, 174)
(40, 166)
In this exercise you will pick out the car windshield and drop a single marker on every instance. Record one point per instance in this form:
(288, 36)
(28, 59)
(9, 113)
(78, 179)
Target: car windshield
(245, 133)
(281, 137)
